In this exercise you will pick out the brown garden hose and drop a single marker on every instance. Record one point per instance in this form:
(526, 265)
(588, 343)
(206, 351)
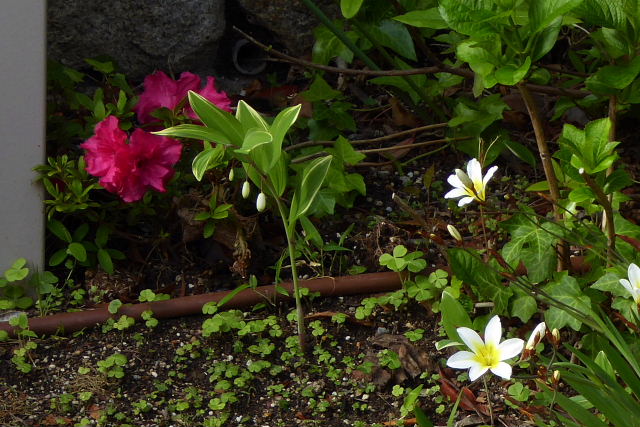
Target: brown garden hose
(64, 323)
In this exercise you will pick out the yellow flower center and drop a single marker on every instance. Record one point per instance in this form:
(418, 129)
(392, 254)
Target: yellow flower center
(488, 356)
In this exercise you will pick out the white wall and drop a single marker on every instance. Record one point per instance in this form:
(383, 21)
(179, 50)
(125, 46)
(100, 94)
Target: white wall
(22, 129)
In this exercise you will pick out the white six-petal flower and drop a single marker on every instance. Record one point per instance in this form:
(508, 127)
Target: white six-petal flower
(471, 185)
(489, 354)
(633, 284)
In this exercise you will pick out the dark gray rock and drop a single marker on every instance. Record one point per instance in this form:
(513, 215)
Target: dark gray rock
(141, 35)
(289, 20)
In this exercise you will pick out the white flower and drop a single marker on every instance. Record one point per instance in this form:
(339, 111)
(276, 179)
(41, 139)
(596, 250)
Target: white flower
(633, 284)
(246, 189)
(231, 174)
(488, 354)
(471, 185)
(261, 202)
(536, 336)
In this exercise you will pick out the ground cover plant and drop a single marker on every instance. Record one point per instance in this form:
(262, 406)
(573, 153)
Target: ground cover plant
(501, 191)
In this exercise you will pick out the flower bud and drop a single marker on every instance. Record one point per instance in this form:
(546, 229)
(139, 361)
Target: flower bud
(555, 337)
(261, 202)
(246, 189)
(231, 174)
(556, 377)
(454, 232)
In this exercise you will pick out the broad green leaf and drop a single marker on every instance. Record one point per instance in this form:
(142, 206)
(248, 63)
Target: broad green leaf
(78, 251)
(207, 159)
(610, 78)
(538, 186)
(394, 35)
(114, 306)
(483, 279)
(532, 243)
(320, 91)
(482, 57)
(524, 307)
(453, 316)
(543, 41)
(610, 282)
(281, 125)
(350, 8)
(105, 261)
(345, 153)
(472, 17)
(18, 271)
(313, 176)
(566, 290)
(215, 118)
(58, 257)
(604, 13)
(257, 143)
(198, 132)
(429, 18)
(250, 118)
(543, 12)
(102, 236)
(328, 46)
(311, 233)
(521, 152)
(278, 175)
(61, 232)
(510, 75)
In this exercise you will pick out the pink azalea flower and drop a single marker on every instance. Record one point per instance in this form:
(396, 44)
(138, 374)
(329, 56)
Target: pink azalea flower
(103, 146)
(161, 90)
(130, 170)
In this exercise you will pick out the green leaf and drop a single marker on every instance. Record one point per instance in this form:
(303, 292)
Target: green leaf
(453, 316)
(350, 8)
(102, 236)
(483, 279)
(429, 18)
(543, 42)
(320, 91)
(544, 12)
(198, 132)
(533, 243)
(394, 35)
(215, 118)
(207, 159)
(17, 271)
(610, 282)
(58, 257)
(510, 75)
(313, 176)
(105, 260)
(603, 13)
(610, 78)
(524, 307)
(114, 306)
(475, 18)
(345, 153)
(250, 118)
(78, 251)
(566, 290)
(281, 125)
(61, 232)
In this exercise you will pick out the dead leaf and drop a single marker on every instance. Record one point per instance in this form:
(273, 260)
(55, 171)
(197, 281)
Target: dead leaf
(401, 116)
(403, 147)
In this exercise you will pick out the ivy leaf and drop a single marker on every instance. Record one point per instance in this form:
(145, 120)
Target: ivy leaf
(610, 282)
(483, 279)
(524, 307)
(532, 243)
(566, 290)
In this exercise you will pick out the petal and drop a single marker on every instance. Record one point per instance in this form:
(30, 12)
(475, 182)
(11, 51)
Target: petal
(455, 181)
(455, 193)
(489, 174)
(477, 371)
(461, 360)
(634, 275)
(502, 369)
(219, 98)
(474, 170)
(464, 178)
(470, 338)
(627, 285)
(493, 332)
(510, 348)
(187, 81)
(536, 335)
(465, 201)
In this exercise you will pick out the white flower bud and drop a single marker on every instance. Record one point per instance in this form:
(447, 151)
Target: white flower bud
(454, 232)
(261, 202)
(246, 189)
(231, 174)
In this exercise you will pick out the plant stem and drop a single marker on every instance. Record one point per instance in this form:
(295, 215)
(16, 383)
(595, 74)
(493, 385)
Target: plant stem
(486, 389)
(288, 229)
(545, 157)
(608, 214)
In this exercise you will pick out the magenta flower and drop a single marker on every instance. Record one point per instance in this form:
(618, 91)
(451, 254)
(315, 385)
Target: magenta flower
(130, 170)
(161, 90)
